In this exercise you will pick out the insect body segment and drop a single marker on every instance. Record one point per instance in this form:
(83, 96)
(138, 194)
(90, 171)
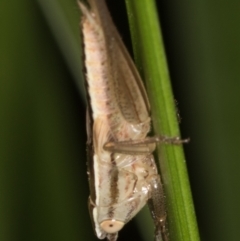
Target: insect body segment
(122, 172)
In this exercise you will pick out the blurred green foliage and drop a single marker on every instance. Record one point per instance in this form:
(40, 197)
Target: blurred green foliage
(43, 181)
(202, 41)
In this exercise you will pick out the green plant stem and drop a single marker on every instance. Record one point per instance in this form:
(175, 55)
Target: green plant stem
(152, 64)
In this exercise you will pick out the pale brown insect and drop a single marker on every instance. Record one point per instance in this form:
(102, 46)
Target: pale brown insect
(123, 175)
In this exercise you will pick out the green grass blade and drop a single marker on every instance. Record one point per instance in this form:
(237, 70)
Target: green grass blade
(151, 60)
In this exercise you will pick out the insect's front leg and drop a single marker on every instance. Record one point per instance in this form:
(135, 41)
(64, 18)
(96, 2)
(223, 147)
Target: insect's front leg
(157, 208)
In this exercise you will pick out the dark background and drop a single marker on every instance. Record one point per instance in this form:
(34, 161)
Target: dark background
(43, 181)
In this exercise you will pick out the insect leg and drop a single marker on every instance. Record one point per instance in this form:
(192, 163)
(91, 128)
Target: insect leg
(157, 208)
(168, 140)
(142, 147)
(132, 147)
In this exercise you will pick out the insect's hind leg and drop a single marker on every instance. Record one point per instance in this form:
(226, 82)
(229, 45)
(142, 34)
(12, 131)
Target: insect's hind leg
(157, 208)
(143, 146)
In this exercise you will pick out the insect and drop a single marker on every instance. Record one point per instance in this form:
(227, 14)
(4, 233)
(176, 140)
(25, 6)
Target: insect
(123, 175)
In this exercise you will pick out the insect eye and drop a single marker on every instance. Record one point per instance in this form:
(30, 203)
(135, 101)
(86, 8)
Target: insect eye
(111, 225)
